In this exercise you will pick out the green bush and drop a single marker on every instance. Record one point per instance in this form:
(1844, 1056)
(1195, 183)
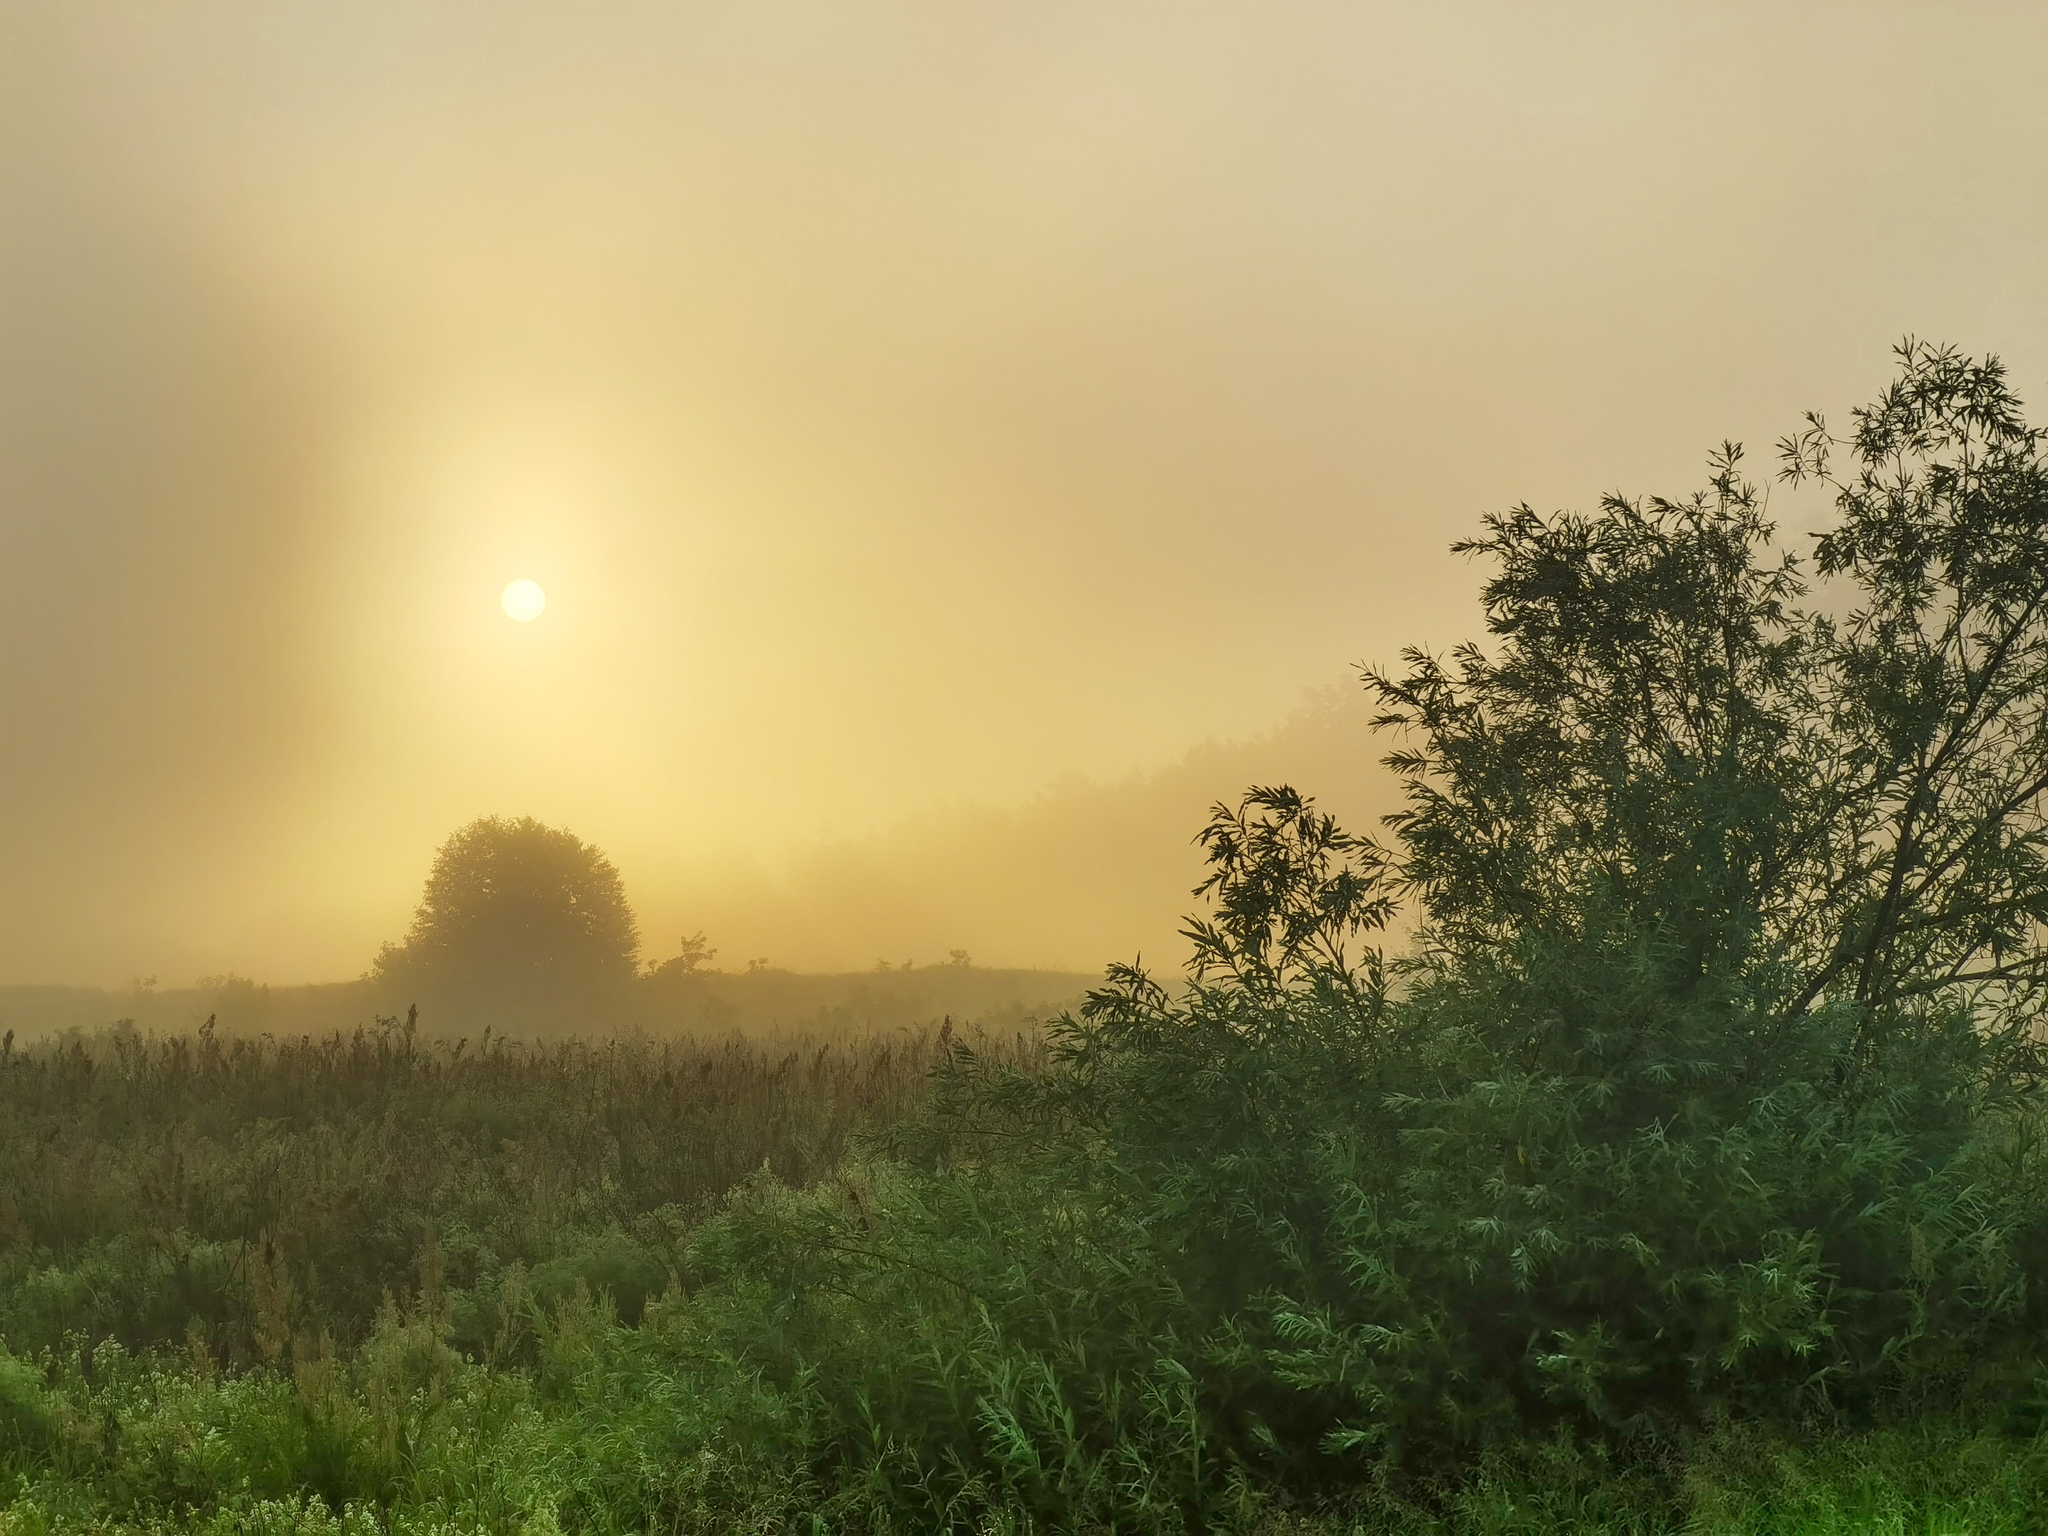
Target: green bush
(1708, 1089)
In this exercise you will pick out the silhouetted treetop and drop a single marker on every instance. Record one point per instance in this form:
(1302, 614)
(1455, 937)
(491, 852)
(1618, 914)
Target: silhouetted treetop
(517, 907)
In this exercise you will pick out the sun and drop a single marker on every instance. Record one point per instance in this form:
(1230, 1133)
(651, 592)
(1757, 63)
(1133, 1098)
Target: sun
(524, 600)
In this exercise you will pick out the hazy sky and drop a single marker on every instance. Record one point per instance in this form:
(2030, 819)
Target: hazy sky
(917, 415)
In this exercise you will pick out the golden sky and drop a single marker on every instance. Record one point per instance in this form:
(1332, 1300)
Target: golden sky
(930, 422)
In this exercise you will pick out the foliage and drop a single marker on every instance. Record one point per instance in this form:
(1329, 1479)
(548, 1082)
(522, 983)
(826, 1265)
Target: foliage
(640, 1429)
(1709, 1089)
(155, 1186)
(1850, 807)
(522, 917)
(693, 960)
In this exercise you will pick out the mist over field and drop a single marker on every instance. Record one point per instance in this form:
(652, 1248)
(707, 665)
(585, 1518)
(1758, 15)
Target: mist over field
(912, 414)
(1023, 769)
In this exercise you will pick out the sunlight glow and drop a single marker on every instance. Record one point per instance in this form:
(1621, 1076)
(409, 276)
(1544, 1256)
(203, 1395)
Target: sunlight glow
(523, 600)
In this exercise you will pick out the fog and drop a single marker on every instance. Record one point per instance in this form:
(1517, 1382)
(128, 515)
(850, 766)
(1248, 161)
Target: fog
(958, 443)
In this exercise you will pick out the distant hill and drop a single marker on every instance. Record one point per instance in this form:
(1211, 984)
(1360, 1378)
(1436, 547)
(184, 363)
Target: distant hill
(765, 1001)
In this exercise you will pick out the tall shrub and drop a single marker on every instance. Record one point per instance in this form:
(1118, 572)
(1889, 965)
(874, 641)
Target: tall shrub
(1703, 1089)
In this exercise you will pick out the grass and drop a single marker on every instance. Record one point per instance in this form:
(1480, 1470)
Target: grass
(373, 1282)
(1933, 1480)
(155, 1185)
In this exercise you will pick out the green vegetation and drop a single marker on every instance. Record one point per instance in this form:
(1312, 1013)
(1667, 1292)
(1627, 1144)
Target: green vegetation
(165, 1191)
(1684, 1172)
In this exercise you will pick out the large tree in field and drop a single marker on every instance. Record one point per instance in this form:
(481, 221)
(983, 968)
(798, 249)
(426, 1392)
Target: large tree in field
(516, 913)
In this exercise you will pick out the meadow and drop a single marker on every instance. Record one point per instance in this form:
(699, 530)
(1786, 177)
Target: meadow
(1684, 1168)
(380, 1281)
(158, 1187)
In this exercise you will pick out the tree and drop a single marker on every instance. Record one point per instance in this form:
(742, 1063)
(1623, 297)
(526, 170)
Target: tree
(1850, 808)
(691, 962)
(516, 914)
(1732, 887)
(1710, 1084)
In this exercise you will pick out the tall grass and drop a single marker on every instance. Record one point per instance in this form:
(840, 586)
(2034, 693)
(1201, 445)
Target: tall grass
(371, 1282)
(159, 1189)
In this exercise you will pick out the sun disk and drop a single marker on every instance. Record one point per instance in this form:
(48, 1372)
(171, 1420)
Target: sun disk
(523, 600)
